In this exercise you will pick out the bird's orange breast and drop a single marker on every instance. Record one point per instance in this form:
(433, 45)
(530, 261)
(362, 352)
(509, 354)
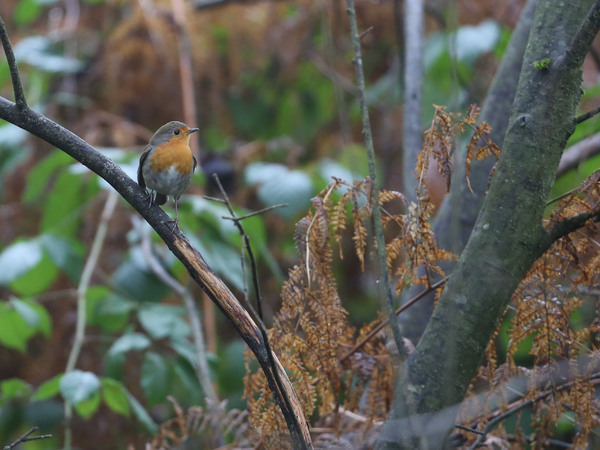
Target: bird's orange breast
(175, 154)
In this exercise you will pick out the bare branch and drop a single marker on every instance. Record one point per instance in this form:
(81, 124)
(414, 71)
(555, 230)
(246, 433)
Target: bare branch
(570, 224)
(26, 438)
(63, 139)
(404, 307)
(260, 318)
(578, 153)
(587, 115)
(582, 40)
(12, 65)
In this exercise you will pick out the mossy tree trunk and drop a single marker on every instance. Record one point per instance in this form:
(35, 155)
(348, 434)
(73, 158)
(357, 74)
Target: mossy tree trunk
(455, 219)
(508, 235)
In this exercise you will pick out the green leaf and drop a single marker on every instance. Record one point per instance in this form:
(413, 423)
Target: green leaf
(129, 342)
(61, 211)
(134, 278)
(13, 388)
(230, 365)
(14, 331)
(211, 214)
(87, 408)
(162, 321)
(473, 41)
(29, 315)
(18, 258)
(188, 387)
(156, 378)
(141, 414)
(222, 258)
(65, 253)
(115, 396)
(278, 184)
(108, 310)
(79, 386)
(27, 11)
(185, 349)
(36, 280)
(45, 321)
(40, 175)
(48, 389)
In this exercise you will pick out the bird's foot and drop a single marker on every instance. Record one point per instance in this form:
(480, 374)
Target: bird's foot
(174, 224)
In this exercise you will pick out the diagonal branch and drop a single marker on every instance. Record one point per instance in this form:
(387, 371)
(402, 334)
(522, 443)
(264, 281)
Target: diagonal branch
(254, 272)
(580, 44)
(12, 65)
(44, 128)
(570, 224)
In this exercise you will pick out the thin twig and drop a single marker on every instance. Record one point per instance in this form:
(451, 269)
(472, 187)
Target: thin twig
(260, 318)
(26, 438)
(364, 33)
(257, 213)
(20, 100)
(84, 282)
(278, 381)
(402, 308)
(377, 224)
(512, 408)
(561, 196)
(469, 429)
(587, 115)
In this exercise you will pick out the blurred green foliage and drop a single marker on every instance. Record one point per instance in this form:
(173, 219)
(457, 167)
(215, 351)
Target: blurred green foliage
(127, 305)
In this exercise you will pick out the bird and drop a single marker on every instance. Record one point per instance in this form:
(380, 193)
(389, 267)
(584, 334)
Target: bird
(167, 164)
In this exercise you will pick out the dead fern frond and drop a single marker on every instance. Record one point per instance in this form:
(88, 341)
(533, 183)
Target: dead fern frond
(562, 343)
(204, 428)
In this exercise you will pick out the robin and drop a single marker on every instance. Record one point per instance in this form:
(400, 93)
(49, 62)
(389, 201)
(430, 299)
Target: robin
(167, 164)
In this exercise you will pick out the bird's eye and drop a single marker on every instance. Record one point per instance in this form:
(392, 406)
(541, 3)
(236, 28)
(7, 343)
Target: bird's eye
(176, 132)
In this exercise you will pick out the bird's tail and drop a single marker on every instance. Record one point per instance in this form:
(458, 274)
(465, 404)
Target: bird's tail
(160, 199)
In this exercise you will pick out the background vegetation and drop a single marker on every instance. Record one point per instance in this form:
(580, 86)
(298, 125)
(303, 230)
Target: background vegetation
(271, 86)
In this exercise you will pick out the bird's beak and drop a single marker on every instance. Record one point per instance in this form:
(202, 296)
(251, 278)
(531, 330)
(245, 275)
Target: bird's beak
(192, 130)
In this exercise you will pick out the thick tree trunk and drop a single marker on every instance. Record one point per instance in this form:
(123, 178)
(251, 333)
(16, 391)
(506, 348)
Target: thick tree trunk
(455, 219)
(508, 235)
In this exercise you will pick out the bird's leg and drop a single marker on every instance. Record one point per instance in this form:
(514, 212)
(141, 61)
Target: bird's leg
(175, 221)
(150, 197)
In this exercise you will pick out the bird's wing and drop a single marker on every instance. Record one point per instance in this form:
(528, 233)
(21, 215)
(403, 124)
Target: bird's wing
(140, 174)
(195, 164)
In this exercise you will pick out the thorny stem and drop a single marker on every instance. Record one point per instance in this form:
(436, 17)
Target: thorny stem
(377, 224)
